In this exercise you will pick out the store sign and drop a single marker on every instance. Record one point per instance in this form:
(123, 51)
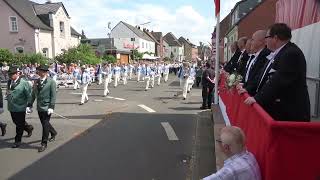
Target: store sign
(130, 46)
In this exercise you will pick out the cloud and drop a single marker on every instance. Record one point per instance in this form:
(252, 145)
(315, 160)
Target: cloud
(93, 16)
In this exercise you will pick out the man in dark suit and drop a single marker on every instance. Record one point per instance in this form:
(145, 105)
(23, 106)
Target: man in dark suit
(241, 66)
(45, 92)
(282, 89)
(256, 63)
(232, 63)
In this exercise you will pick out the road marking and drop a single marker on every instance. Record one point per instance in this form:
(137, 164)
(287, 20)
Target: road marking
(120, 99)
(76, 93)
(98, 100)
(109, 97)
(169, 131)
(146, 108)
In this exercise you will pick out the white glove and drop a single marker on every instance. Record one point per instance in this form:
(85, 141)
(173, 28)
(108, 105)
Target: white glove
(1, 110)
(50, 111)
(28, 110)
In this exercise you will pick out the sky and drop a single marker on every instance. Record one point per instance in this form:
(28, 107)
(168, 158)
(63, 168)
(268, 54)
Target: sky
(192, 19)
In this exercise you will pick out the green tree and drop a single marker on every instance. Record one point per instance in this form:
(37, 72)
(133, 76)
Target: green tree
(82, 53)
(109, 59)
(5, 55)
(137, 54)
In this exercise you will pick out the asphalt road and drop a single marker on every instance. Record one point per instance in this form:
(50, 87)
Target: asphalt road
(131, 134)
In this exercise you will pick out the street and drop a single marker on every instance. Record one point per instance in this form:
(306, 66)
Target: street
(130, 134)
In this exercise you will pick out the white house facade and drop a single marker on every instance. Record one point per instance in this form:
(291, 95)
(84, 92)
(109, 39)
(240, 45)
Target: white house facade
(128, 37)
(37, 28)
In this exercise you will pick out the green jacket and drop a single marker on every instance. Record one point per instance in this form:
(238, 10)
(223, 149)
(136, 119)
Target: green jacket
(45, 94)
(19, 95)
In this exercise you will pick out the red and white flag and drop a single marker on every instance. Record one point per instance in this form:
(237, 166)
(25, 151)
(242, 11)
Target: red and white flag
(217, 4)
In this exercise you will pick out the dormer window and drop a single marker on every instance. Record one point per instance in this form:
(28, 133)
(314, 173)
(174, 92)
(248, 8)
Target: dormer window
(13, 22)
(61, 28)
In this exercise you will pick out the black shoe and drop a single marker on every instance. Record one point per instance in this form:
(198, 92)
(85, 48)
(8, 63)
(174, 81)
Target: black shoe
(184, 98)
(203, 107)
(16, 145)
(209, 107)
(86, 101)
(188, 91)
(81, 104)
(53, 138)
(3, 129)
(42, 148)
(30, 131)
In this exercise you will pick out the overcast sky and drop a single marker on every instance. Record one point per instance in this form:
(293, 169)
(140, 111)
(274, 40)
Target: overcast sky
(193, 19)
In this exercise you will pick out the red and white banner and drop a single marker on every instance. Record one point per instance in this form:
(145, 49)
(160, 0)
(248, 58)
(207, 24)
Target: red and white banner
(217, 4)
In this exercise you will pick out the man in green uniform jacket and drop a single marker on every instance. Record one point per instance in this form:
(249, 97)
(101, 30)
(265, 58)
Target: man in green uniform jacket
(45, 91)
(3, 126)
(19, 94)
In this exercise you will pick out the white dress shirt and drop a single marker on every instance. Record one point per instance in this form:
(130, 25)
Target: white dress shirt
(241, 166)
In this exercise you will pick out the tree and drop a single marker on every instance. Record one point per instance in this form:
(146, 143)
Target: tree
(109, 59)
(137, 54)
(5, 56)
(83, 36)
(82, 53)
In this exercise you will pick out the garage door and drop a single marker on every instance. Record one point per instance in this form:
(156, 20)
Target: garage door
(124, 59)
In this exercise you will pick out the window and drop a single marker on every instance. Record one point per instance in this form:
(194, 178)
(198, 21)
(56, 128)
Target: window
(174, 50)
(45, 52)
(61, 28)
(142, 44)
(13, 21)
(19, 49)
(147, 45)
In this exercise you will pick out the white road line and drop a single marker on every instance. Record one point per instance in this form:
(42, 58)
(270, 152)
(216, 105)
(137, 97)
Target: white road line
(120, 99)
(76, 93)
(109, 97)
(98, 100)
(146, 108)
(169, 131)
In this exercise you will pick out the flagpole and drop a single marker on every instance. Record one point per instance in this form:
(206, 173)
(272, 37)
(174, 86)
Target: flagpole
(217, 66)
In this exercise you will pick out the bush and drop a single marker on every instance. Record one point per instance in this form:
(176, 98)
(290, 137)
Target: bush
(82, 53)
(5, 56)
(19, 59)
(109, 59)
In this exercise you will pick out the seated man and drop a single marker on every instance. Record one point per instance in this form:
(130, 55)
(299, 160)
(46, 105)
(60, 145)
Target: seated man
(240, 163)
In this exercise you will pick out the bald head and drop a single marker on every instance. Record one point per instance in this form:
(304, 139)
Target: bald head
(234, 137)
(258, 40)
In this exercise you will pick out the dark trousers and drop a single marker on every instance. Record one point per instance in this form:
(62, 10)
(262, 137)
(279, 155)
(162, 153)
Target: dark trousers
(198, 81)
(207, 96)
(19, 119)
(46, 126)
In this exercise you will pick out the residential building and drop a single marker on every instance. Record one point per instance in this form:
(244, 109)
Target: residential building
(246, 18)
(160, 52)
(188, 46)
(157, 49)
(128, 37)
(105, 46)
(176, 50)
(30, 27)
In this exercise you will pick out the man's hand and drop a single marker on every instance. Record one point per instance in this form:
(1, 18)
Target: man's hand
(250, 101)
(50, 111)
(1, 110)
(28, 110)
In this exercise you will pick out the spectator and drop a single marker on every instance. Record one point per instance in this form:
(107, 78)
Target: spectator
(282, 88)
(199, 72)
(240, 163)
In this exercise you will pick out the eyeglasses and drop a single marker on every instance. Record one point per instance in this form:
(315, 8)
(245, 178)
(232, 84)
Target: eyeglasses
(268, 37)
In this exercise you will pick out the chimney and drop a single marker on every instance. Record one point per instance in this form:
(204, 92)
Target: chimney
(138, 27)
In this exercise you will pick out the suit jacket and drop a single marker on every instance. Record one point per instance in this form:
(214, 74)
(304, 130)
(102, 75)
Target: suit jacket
(233, 62)
(285, 94)
(19, 95)
(45, 94)
(252, 82)
(241, 66)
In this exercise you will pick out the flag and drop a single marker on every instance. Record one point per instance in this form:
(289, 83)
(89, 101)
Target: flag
(217, 4)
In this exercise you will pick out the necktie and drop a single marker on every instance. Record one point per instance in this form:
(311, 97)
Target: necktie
(251, 63)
